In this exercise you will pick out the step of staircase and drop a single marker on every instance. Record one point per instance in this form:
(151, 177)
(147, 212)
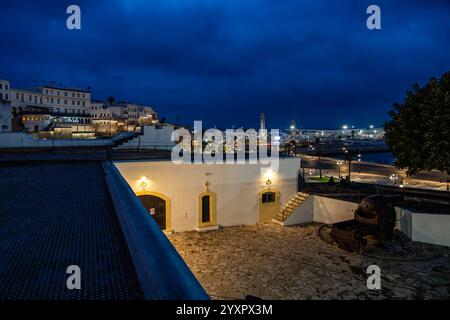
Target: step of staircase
(290, 207)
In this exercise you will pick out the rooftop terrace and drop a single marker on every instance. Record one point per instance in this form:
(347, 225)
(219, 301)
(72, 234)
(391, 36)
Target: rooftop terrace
(56, 215)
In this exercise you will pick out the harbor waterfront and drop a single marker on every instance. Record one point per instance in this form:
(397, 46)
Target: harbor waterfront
(374, 157)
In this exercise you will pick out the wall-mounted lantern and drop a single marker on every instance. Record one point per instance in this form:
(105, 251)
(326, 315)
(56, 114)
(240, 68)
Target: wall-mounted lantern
(143, 182)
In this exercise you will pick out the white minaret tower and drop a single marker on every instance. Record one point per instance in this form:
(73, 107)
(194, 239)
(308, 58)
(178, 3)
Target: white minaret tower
(262, 121)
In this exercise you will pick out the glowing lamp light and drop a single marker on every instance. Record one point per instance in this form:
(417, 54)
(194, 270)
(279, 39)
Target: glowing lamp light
(143, 182)
(268, 177)
(269, 174)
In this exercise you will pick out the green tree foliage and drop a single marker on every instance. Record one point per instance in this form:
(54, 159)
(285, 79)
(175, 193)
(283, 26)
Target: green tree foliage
(419, 132)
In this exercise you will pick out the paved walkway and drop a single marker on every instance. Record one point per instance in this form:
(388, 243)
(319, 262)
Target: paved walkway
(273, 262)
(56, 215)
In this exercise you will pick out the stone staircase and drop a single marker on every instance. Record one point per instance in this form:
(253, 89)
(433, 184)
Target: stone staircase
(124, 138)
(290, 207)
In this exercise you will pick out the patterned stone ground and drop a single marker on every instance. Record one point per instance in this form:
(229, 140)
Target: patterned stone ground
(56, 215)
(272, 262)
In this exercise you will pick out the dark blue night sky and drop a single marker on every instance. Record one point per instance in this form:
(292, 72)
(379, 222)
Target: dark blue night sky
(225, 61)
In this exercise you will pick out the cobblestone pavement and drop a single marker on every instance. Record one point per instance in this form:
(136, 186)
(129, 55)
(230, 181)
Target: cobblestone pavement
(273, 262)
(56, 215)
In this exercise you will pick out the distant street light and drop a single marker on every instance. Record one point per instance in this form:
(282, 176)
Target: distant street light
(339, 163)
(393, 177)
(359, 164)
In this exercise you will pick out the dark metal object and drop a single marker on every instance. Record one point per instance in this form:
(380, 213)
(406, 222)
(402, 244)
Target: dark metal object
(373, 225)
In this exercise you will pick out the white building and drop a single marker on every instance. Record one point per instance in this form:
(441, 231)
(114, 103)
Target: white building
(135, 114)
(121, 116)
(71, 112)
(205, 196)
(5, 116)
(49, 107)
(4, 90)
(105, 119)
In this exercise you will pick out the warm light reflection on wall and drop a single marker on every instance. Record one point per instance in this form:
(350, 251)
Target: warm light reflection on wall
(143, 183)
(269, 177)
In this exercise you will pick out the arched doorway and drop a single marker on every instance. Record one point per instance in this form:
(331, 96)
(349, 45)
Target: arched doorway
(269, 204)
(158, 206)
(206, 210)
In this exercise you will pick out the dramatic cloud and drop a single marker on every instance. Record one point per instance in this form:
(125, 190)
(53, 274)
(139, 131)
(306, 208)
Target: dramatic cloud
(226, 61)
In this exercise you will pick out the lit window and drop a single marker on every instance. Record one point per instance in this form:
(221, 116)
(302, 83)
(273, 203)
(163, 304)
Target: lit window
(268, 197)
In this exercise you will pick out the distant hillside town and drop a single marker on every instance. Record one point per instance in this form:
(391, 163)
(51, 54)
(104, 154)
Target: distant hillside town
(52, 110)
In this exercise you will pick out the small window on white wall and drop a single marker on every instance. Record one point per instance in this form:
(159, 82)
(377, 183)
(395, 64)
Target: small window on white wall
(206, 209)
(269, 197)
